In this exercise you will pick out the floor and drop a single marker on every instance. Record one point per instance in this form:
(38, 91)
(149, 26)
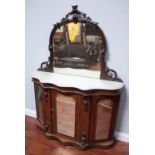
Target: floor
(36, 143)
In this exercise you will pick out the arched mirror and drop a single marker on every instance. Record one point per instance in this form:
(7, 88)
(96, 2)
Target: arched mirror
(77, 47)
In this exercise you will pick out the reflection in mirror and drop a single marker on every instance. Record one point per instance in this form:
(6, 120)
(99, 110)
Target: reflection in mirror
(77, 46)
(74, 32)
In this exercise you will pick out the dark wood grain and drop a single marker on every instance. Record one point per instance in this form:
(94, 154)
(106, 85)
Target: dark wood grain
(36, 143)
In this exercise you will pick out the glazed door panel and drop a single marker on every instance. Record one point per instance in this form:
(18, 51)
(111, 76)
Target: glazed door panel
(103, 118)
(39, 102)
(64, 114)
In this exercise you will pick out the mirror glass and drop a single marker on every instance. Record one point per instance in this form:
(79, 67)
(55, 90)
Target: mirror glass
(77, 49)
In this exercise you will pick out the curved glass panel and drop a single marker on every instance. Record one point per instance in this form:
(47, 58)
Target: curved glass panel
(39, 101)
(104, 114)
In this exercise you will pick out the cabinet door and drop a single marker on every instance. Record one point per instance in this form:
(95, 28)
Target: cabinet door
(39, 102)
(64, 114)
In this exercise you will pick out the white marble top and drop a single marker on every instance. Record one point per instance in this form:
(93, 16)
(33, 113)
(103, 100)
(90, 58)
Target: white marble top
(78, 72)
(83, 83)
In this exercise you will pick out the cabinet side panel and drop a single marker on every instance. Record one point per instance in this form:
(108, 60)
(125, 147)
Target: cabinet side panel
(39, 102)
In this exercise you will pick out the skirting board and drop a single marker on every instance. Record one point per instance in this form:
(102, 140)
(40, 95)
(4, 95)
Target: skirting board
(119, 135)
(31, 113)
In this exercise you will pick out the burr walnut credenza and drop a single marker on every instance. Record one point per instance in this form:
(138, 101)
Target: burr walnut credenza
(76, 94)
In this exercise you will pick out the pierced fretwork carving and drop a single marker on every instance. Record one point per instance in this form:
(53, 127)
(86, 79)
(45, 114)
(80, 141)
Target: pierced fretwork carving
(47, 65)
(75, 15)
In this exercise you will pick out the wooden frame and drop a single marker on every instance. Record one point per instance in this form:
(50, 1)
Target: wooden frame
(77, 16)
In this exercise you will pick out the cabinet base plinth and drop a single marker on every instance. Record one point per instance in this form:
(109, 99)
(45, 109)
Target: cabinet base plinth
(69, 142)
(104, 145)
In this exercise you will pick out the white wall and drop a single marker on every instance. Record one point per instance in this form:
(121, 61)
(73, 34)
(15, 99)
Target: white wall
(112, 16)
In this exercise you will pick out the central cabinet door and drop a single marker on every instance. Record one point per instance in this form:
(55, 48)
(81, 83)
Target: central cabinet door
(64, 113)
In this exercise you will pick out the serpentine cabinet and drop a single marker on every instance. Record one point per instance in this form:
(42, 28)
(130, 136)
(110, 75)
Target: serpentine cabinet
(77, 95)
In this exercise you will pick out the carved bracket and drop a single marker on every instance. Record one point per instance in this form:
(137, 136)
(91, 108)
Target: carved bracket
(83, 140)
(46, 127)
(85, 103)
(45, 66)
(111, 74)
(46, 95)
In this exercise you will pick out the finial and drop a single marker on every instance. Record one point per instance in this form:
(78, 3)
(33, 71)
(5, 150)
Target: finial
(74, 7)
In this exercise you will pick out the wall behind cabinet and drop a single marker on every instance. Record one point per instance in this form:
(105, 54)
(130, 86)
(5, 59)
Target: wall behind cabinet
(112, 16)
